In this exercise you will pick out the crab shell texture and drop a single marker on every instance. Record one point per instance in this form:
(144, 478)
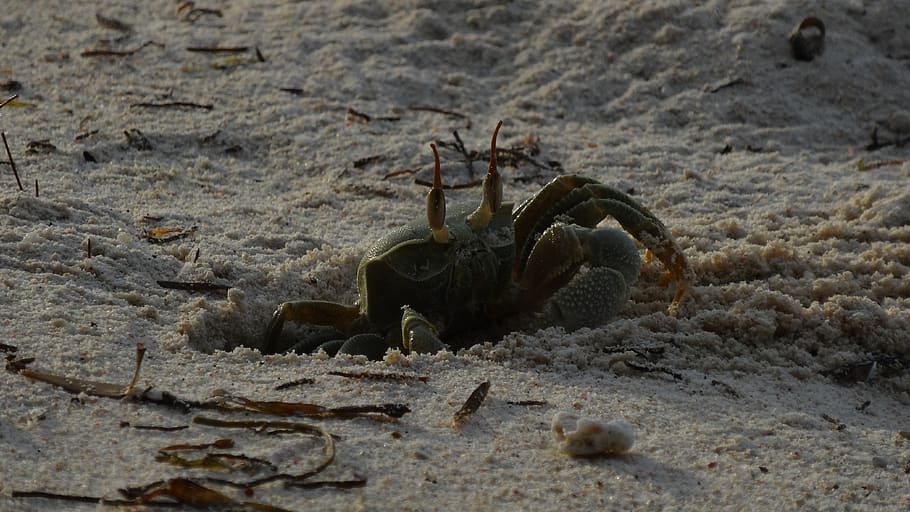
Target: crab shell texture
(452, 283)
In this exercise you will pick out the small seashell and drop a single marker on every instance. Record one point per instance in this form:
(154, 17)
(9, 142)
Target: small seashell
(584, 437)
(807, 40)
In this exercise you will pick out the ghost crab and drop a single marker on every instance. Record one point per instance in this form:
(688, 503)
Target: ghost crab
(444, 273)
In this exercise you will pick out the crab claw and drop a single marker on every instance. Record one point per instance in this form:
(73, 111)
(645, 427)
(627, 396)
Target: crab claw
(436, 205)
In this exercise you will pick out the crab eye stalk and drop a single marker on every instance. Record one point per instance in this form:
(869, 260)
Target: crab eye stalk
(436, 205)
(492, 190)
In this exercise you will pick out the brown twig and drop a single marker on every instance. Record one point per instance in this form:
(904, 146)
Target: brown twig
(8, 100)
(159, 428)
(392, 377)
(363, 162)
(862, 165)
(424, 108)
(173, 104)
(394, 174)
(10, 156)
(217, 49)
(731, 83)
(193, 286)
(296, 91)
(354, 115)
(293, 383)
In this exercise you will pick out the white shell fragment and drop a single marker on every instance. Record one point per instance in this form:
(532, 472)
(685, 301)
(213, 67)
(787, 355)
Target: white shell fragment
(583, 437)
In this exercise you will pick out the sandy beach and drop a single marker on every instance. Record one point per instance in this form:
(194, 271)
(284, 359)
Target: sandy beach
(260, 148)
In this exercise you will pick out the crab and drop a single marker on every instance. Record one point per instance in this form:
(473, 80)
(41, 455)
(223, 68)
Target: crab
(445, 273)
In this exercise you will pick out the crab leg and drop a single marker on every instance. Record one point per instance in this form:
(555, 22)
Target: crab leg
(586, 202)
(313, 312)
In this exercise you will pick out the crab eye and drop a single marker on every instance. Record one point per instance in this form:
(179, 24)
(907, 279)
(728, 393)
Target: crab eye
(492, 184)
(436, 205)
(492, 190)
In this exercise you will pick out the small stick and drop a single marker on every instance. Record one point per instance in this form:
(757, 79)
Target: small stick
(118, 53)
(393, 377)
(731, 83)
(216, 49)
(363, 162)
(394, 174)
(157, 427)
(8, 100)
(863, 166)
(298, 382)
(173, 104)
(36, 187)
(421, 108)
(10, 155)
(193, 286)
(528, 403)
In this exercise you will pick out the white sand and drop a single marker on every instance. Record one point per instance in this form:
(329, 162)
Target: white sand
(802, 260)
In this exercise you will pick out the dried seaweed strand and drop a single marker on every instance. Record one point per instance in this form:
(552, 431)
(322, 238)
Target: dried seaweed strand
(92, 388)
(261, 425)
(221, 443)
(90, 499)
(216, 462)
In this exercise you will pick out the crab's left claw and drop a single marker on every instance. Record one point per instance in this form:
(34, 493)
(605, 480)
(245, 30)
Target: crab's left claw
(585, 202)
(596, 296)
